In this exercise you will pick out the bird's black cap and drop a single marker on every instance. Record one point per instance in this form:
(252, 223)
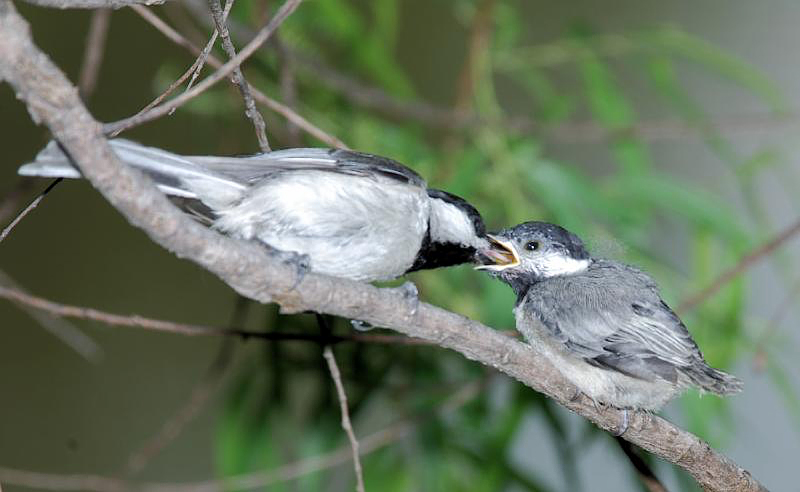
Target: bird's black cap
(551, 233)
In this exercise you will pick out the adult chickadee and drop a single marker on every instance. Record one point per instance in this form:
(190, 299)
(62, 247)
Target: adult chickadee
(602, 323)
(354, 215)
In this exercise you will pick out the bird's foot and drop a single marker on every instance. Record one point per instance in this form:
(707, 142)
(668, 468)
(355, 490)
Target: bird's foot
(299, 262)
(623, 426)
(411, 296)
(359, 325)
(576, 396)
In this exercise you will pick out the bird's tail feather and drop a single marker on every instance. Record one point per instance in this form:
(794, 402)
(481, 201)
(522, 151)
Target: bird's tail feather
(715, 381)
(173, 174)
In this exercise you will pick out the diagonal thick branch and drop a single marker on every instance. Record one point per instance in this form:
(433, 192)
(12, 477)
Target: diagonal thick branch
(254, 273)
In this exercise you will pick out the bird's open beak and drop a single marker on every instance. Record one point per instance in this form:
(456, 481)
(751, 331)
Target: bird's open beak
(500, 254)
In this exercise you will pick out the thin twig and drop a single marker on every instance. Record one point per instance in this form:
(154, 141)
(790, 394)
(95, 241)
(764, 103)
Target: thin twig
(261, 479)
(774, 324)
(368, 444)
(136, 321)
(92, 4)
(643, 470)
(274, 105)
(237, 76)
(225, 70)
(28, 209)
(72, 336)
(93, 55)
(10, 202)
(744, 263)
(288, 84)
(203, 56)
(346, 425)
(202, 392)
(193, 70)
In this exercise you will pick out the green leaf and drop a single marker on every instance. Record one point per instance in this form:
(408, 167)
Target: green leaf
(678, 41)
(687, 201)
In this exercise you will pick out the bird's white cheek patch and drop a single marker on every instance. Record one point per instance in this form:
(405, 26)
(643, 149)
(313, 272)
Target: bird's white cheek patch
(555, 265)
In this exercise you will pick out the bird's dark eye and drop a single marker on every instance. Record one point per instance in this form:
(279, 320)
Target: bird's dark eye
(532, 245)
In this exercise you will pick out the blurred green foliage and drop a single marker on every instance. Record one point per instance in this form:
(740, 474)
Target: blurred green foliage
(281, 407)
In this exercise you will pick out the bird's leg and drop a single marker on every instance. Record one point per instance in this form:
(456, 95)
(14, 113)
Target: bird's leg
(410, 294)
(623, 426)
(577, 395)
(299, 262)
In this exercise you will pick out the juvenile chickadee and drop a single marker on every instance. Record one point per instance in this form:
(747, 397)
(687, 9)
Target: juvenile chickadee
(602, 323)
(353, 215)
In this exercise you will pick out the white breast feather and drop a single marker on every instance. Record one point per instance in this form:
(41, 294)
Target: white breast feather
(350, 226)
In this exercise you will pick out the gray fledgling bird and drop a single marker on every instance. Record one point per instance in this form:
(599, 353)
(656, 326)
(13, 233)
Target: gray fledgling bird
(353, 215)
(602, 323)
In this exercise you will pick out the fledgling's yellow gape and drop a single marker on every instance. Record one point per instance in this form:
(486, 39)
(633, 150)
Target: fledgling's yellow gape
(602, 323)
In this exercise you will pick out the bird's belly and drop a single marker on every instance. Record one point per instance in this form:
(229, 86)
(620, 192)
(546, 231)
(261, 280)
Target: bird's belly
(365, 258)
(349, 227)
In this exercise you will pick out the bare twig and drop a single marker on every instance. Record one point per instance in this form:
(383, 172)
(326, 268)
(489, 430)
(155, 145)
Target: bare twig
(226, 69)
(10, 227)
(274, 105)
(774, 324)
(260, 479)
(288, 84)
(290, 471)
(11, 201)
(743, 264)
(207, 387)
(193, 70)
(254, 272)
(643, 470)
(346, 425)
(93, 54)
(371, 97)
(69, 334)
(203, 56)
(92, 4)
(136, 321)
(237, 76)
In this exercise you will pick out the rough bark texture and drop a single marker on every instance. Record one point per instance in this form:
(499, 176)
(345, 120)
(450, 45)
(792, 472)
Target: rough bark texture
(92, 4)
(253, 272)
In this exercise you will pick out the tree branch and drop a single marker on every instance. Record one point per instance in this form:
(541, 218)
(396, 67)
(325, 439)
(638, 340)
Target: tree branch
(237, 77)
(35, 203)
(135, 321)
(274, 105)
(226, 69)
(252, 271)
(93, 54)
(92, 4)
(743, 264)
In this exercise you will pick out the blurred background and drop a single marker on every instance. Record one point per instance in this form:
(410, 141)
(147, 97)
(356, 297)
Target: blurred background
(664, 133)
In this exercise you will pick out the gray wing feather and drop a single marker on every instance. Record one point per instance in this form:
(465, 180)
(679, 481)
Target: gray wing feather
(257, 167)
(173, 174)
(613, 317)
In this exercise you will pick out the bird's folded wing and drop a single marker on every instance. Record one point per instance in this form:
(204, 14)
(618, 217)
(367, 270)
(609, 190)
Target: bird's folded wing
(260, 166)
(637, 335)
